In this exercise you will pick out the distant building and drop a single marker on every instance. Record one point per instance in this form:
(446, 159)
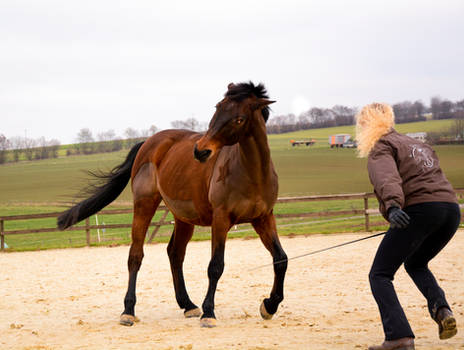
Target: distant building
(419, 136)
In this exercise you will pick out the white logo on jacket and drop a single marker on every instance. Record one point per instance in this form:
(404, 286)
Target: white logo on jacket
(422, 156)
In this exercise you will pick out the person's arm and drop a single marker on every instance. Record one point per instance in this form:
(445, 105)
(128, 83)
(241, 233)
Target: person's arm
(385, 177)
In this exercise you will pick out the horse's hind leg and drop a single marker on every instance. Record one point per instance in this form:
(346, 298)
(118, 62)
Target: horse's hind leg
(144, 209)
(176, 250)
(220, 227)
(266, 229)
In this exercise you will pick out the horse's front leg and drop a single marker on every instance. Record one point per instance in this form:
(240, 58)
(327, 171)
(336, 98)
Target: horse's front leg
(266, 229)
(219, 228)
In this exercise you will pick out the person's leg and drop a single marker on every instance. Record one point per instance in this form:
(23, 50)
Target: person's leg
(392, 251)
(447, 217)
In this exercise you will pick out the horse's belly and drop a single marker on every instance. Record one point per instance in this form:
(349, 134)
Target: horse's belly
(182, 208)
(249, 210)
(186, 210)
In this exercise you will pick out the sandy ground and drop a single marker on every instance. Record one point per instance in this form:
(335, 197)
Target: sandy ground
(72, 298)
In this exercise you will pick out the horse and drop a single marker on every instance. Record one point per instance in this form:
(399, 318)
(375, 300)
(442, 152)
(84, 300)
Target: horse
(220, 178)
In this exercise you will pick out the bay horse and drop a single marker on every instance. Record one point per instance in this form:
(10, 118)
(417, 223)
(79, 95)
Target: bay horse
(219, 179)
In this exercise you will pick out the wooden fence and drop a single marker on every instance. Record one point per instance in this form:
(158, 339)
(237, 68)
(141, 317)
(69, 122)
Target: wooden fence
(162, 222)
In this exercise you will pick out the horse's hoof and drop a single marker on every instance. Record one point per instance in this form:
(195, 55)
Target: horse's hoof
(264, 314)
(192, 313)
(208, 322)
(128, 320)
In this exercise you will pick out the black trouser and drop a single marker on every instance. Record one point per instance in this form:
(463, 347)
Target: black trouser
(431, 227)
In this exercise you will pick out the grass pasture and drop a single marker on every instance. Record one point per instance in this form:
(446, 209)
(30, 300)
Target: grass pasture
(30, 187)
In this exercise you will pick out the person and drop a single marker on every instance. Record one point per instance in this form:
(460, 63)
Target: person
(422, 209)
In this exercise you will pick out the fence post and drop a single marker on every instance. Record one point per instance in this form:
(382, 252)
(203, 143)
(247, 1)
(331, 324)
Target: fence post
(2, 235)
(87, 231)
(155, 231)
(366, 212)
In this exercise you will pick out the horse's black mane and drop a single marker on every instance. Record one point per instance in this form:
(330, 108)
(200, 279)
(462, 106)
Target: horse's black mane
(239, 92)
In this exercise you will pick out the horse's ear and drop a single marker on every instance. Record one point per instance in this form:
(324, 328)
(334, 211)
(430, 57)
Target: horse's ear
(261, 103)
(231, 85)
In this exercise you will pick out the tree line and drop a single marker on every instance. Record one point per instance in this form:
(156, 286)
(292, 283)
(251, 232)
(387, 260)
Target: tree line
(31, 149)
(405, 112)
(107, 141)
(18, 148)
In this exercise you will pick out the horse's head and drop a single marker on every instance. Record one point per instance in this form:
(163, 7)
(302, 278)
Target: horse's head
(243, 104)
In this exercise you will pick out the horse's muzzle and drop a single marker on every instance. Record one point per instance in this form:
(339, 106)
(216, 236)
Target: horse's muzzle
(201, 156)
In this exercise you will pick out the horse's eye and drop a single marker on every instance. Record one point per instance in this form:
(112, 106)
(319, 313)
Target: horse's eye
(239, 120)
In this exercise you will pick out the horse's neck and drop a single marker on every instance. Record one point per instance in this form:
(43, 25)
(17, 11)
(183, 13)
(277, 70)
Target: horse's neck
(256, 155)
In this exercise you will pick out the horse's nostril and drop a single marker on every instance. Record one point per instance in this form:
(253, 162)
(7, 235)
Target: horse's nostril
(203, 155)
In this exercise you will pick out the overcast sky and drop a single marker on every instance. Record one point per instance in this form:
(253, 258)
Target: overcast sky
(67, 65)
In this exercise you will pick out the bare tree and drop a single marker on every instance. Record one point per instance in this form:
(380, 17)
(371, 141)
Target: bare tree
(85, 138)
(4, 145)
(106, 135)
(54, 146)
(188, 124)
(441, 109)
(40, 151)
(203, 126)
(28, 145)
(151, 131)
(130, 133)
(435, 103)
(16, 144)
(459, 106)
(132, 137)
(457, 128)
(419, 108)
(343, 115)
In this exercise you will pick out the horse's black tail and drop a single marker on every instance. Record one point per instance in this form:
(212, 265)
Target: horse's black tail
(113, 184)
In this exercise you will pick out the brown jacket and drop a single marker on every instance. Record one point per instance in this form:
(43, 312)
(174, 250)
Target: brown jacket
(405, 171)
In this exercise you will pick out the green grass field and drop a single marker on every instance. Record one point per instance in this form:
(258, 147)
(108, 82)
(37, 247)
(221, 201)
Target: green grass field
(46, 185)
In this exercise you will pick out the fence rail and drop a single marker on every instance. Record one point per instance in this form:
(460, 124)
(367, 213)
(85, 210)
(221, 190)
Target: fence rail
(87, 227)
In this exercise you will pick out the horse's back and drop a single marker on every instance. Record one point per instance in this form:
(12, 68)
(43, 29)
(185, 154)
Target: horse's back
(155, 147)
(165, 165)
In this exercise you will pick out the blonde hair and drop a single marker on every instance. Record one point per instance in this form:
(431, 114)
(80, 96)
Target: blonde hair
(374, 121)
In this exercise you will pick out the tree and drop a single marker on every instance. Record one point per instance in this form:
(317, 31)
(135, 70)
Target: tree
(105, 139)
(441, 109)
(131, 133)
(16, 144)
(321, 117)
(54, 146)
(4, 145)
(419, 109)
(106, 135)
(343, 115)
(132, 137)
(85, 138)
(188, 124)
(41, 151)
(459, 106)
(28, 145)
(150, 131)
(457, 128)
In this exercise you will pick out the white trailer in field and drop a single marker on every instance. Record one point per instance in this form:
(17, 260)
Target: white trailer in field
(338, 140)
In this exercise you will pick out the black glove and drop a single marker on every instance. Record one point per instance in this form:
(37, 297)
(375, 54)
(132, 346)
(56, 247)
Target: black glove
(398, 218)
